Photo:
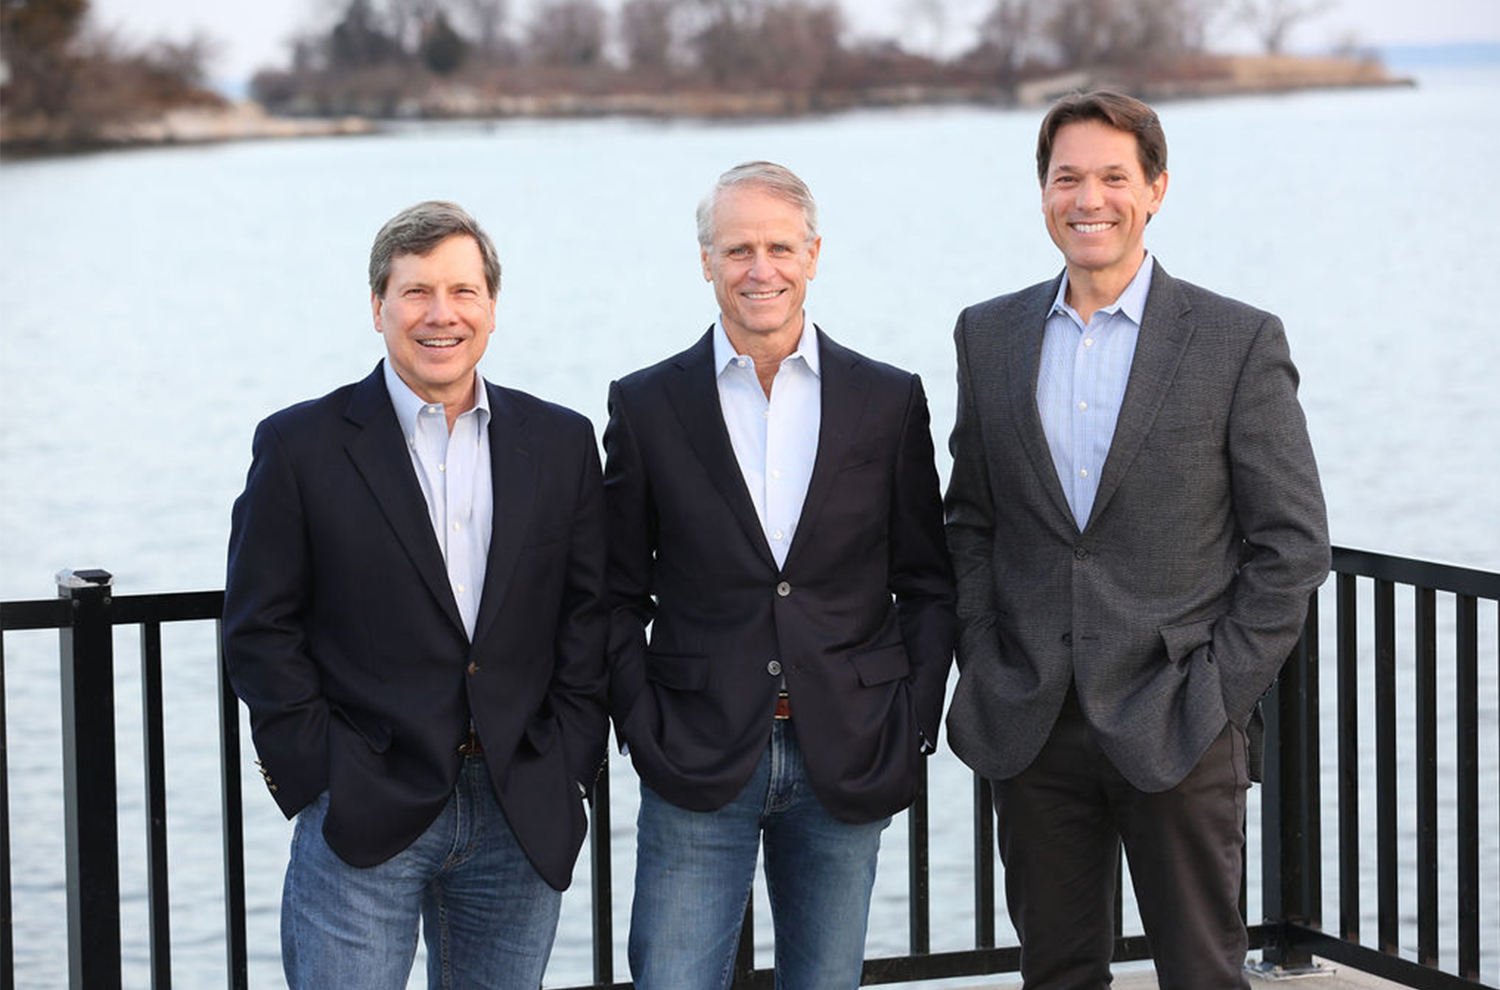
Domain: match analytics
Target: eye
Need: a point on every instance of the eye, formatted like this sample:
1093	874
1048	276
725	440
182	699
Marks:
781	250
738	252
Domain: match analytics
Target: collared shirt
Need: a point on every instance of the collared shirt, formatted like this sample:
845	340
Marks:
453	471
775	439
1081	383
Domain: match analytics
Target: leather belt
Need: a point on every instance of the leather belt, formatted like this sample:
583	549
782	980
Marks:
783	707
470	745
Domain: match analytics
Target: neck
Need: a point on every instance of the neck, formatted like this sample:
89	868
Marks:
1090	291
767	350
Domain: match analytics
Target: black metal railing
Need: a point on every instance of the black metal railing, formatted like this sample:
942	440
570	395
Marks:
1366	673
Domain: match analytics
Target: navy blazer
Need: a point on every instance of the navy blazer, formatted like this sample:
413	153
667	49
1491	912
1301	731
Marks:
342	635
860	620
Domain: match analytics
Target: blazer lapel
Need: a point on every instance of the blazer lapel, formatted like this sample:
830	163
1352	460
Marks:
513	473
694	394
1023	364
380	455
842	395
1165	333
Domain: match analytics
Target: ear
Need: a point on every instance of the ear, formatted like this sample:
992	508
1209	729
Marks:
812	257
708	272
1158	193
376	301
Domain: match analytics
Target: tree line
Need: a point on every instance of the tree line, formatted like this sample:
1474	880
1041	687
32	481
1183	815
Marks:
382	55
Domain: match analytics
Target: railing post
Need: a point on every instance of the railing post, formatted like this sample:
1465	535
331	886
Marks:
1284	808
89	808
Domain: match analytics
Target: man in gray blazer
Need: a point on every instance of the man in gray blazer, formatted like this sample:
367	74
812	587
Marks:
1136	525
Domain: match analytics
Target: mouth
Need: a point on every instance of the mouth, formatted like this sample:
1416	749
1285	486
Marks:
762	296
1096	227
440	343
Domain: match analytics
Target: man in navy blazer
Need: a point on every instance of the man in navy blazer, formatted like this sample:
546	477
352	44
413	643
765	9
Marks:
1136	523
414	617
775	519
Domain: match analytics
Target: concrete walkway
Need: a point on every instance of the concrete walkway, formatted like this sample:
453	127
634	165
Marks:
1140	977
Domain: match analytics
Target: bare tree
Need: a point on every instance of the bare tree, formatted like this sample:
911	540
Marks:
801	42
1007	35
1272	21
648	31
486	21
568	33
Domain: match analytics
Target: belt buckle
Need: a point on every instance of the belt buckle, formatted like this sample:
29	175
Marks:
783	707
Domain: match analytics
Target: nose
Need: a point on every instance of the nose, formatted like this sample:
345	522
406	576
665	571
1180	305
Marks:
1090	193
439	309
760	268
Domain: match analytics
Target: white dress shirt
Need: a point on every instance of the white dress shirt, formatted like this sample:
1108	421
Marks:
453	471
775	439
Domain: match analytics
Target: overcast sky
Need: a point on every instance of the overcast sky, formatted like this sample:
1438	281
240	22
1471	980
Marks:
250	36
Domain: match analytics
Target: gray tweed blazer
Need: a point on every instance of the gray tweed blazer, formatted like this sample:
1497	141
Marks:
1175	606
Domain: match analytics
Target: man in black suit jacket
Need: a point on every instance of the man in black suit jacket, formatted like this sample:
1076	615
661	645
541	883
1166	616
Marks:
1137	524
414	616
774	517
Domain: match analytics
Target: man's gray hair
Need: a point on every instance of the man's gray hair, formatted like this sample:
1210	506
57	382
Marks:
778	180
420	228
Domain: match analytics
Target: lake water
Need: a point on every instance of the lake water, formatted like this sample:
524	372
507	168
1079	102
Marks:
157	303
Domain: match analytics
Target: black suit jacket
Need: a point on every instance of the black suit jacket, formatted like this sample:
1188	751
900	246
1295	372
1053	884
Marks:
860	620
342	635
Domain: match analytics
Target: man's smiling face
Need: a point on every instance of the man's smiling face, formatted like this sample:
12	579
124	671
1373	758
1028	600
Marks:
1096	199
760	262
437	316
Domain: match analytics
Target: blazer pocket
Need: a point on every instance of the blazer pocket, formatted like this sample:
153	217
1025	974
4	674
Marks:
679	671
1185	637
375	732
881	665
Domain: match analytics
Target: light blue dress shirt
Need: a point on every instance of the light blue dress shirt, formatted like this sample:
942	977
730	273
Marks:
453	471
775	439
1081	383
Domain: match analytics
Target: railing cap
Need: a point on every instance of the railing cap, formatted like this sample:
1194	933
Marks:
68	580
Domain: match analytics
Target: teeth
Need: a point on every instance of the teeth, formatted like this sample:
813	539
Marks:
1091	228
763	295
440	342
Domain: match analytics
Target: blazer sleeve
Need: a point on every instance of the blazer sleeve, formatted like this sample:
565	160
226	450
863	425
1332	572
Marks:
266	597
921	574
632	537
970	514
577	691
1278	507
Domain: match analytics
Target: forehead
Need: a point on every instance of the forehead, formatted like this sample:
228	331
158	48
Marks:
1089	144
751	212
456	257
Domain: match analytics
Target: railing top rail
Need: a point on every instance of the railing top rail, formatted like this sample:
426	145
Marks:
57	613
1421	573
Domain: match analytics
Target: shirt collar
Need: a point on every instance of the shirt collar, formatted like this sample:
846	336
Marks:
409	405
1132	302
807	347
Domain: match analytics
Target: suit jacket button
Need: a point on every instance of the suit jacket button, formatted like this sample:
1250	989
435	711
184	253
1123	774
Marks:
473	667
1067	639
783	589
774	668
1080	552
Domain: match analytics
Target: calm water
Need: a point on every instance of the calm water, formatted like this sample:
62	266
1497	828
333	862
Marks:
156	304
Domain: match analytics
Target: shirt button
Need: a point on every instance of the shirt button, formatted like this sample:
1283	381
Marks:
455	527
1083	405
1088	342
776	474
783	589
774	668
432	409
776	535
442	467
1080	552
765	414
1082	473
459	589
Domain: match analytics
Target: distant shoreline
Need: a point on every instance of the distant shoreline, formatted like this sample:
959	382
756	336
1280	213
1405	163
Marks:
1200	78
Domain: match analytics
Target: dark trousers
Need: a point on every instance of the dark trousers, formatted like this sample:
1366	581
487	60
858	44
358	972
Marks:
1060	824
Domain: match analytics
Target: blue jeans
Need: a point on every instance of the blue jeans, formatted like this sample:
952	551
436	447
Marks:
693	872
488	918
